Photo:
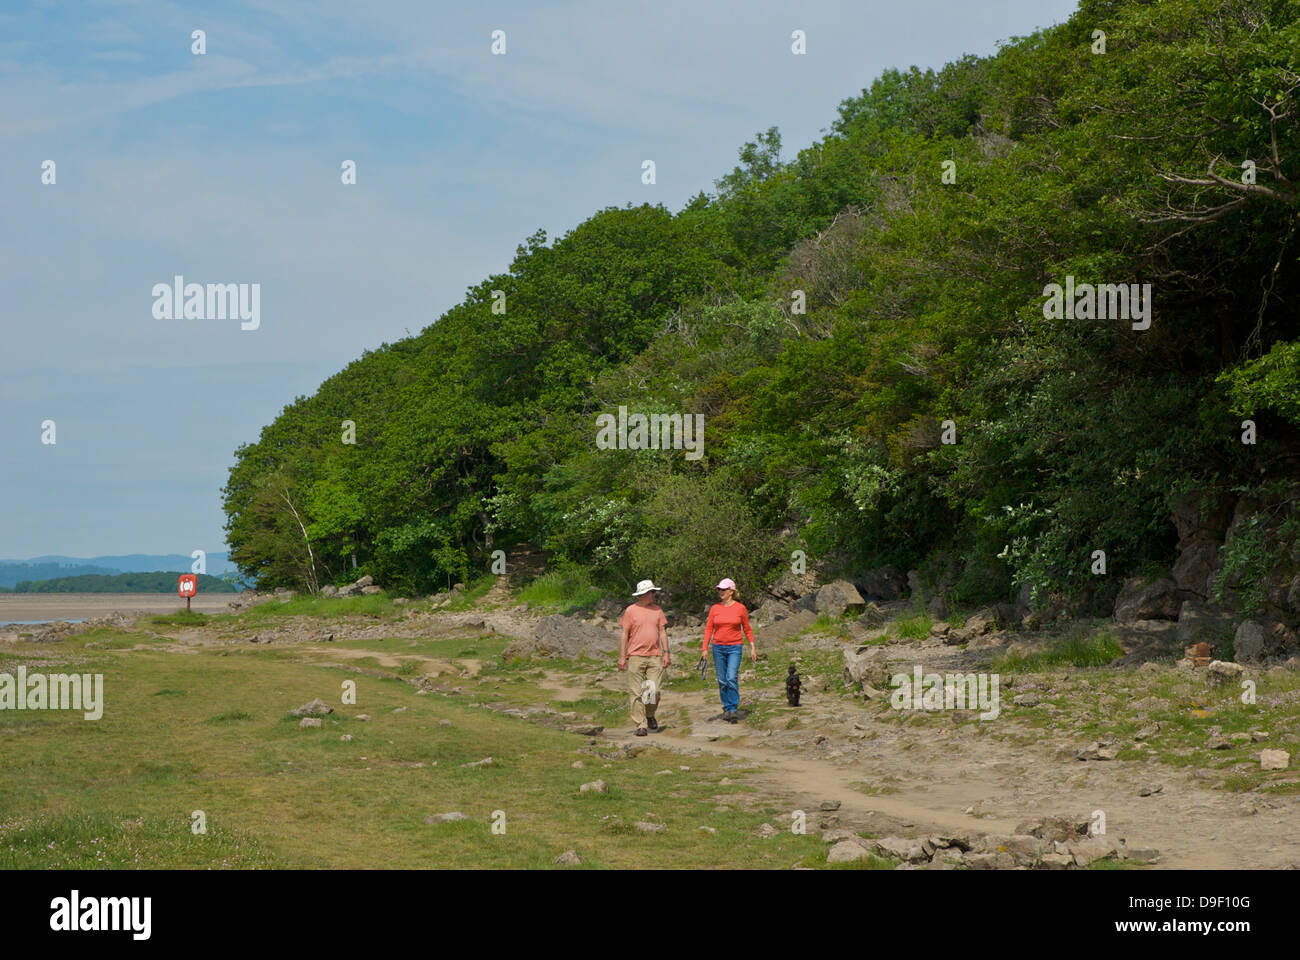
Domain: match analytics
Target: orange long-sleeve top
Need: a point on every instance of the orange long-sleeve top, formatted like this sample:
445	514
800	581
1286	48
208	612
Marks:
727	626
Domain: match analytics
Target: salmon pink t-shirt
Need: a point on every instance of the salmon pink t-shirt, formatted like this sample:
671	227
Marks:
642	625
727	625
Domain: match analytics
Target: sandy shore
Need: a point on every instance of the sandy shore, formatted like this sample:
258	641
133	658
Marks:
80	606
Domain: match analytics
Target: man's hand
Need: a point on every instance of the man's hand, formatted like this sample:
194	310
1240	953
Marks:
667	660
622	663
753	654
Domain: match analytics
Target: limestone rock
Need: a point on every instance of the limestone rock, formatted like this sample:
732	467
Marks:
445	817
1158	600
846	851
882	584
1250	642
1274	760
839	597
317	708
865	666
1221	671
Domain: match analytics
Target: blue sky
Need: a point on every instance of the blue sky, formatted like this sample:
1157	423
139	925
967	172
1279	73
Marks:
225	168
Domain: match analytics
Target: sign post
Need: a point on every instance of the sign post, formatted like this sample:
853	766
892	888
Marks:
187	586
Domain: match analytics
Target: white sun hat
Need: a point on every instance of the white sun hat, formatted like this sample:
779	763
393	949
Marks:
645	586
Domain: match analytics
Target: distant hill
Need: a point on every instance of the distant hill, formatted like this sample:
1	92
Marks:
217	563
155	581
12	572
55	566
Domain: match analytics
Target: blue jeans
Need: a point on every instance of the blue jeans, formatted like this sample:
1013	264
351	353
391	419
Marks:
726	664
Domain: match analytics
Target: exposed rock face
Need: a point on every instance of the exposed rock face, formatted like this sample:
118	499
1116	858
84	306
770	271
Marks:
1201	522
1201	622
1159	600
1250	642
564	637
872	617
1145	640
792	586
788	627
882	584
839	597
867	666
770	612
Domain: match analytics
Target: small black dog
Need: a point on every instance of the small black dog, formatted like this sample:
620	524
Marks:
792	687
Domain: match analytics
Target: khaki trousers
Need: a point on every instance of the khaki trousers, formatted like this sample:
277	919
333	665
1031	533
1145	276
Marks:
640	671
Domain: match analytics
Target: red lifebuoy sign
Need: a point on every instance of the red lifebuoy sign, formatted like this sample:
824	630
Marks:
187	585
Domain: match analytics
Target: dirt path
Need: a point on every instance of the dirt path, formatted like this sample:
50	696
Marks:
905	779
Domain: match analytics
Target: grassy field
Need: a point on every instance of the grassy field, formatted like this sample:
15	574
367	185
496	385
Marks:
189	729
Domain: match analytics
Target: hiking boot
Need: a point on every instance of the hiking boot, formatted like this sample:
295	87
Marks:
730	716
641	731
652	723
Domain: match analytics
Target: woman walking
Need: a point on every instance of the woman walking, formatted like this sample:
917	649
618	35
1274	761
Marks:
727	627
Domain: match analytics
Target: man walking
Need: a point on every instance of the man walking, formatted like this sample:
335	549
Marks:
643	653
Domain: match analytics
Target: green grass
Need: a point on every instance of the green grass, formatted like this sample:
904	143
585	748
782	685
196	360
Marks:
181	618
81	841
913	628
469	597
826	624
210	731
233	717
562	590
1077	648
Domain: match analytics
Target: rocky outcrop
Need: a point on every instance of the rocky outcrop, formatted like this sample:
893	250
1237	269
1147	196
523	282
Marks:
866	667
1251	642
365	585
1043	850
788	627
839	597
317	708
564	638
769	612
1203	622
1201	521
1158	600
792	586
882	584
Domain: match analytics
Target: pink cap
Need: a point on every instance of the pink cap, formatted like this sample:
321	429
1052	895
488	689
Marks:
726	584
